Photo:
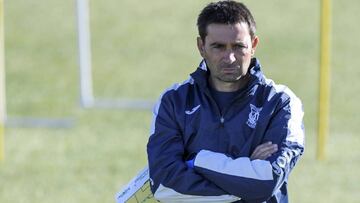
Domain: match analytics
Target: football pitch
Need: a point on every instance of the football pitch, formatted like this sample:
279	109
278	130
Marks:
140	48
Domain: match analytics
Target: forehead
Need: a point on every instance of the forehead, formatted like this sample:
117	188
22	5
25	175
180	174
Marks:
227	33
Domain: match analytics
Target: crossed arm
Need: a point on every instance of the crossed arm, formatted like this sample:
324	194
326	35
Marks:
216	177
262	152
176	181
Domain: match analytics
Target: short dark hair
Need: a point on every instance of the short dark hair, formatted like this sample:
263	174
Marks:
225	12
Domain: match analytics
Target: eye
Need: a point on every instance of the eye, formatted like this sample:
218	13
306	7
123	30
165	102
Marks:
218	46
240	46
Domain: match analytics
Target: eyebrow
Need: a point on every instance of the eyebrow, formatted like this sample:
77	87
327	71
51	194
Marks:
241	43
217	44
224	44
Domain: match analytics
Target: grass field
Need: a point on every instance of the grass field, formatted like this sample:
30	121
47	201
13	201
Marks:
139	49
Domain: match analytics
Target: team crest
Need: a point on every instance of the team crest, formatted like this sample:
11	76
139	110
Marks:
253	116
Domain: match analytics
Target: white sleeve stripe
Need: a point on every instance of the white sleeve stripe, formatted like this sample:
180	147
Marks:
157	105
165	194
295	129
241	167
295	126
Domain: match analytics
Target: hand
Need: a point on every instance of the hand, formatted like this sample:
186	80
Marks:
264	151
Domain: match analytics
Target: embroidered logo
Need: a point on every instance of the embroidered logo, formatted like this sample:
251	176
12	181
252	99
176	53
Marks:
253	116
192	110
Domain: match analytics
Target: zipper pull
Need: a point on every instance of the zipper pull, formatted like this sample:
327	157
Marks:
222	120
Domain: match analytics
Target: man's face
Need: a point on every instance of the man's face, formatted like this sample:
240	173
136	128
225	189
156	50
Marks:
227	51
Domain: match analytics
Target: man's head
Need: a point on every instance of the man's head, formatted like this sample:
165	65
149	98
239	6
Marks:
225	12
227	42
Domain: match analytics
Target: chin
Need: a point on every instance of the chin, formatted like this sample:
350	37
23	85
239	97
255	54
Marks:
230	80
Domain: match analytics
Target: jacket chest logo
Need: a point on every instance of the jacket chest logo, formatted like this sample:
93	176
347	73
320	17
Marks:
253	116
193	110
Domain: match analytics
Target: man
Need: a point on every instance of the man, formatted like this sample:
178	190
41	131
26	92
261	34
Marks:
227	134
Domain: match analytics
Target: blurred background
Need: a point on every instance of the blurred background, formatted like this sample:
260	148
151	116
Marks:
139	48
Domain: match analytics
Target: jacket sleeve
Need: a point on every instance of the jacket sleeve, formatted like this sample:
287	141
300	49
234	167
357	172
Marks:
258	180
171	180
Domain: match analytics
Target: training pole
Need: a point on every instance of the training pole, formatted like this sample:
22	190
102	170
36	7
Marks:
2	83
324	87
86	89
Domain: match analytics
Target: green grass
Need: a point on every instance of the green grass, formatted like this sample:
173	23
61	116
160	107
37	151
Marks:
139	49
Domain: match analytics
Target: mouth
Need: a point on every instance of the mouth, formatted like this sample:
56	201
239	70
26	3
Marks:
229	69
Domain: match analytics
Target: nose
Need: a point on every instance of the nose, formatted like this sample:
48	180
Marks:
229	56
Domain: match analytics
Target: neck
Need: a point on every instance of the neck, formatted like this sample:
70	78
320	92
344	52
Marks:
223	86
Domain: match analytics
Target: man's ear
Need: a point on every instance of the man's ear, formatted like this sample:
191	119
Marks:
254	44
201	46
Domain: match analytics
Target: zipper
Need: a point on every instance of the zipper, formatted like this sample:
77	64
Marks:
222	119
222	114
243	95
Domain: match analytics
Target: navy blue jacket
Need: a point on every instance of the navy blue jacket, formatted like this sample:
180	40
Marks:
188	124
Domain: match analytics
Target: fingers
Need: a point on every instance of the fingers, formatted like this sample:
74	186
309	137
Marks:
264	151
